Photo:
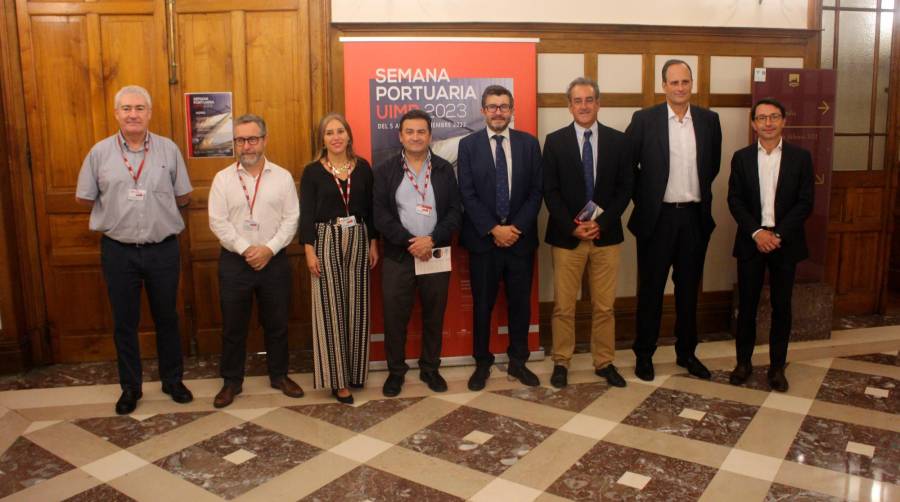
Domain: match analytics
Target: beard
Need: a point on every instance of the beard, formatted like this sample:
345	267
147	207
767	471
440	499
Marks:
249	159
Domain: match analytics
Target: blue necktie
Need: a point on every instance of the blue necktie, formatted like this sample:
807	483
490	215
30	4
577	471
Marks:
587	161
502	180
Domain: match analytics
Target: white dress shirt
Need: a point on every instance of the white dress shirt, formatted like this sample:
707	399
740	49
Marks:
769	168
507	151
276	209
684	181
579	134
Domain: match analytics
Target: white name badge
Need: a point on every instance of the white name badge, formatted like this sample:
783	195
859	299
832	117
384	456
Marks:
424	209
347	222
137	194
251	226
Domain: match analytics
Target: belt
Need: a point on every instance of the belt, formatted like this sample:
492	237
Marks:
336	221
680	205
139	244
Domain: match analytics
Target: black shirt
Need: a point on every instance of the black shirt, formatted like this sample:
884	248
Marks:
321	201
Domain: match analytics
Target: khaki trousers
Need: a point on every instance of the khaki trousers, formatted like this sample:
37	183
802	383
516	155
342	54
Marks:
568	269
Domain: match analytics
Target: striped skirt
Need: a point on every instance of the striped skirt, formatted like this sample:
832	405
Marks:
340	307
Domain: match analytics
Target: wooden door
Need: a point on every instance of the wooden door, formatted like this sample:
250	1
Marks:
259	50
75	56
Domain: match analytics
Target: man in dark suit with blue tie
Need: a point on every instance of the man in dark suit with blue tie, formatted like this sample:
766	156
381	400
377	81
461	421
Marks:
677	153
770	194
499	171
587	185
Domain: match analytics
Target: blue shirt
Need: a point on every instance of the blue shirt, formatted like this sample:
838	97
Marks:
408	198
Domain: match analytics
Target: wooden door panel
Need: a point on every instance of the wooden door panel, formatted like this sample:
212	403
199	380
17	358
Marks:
64	106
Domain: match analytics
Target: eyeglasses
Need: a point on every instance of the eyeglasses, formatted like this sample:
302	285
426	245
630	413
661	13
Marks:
250	140
762	119
493	108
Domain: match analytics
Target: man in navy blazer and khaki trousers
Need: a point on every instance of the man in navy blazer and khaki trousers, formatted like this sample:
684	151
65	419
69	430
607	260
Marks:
585	161
770	194
499	172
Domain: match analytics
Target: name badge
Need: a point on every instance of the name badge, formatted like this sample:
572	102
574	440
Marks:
251	226
347	222
424	210
137	194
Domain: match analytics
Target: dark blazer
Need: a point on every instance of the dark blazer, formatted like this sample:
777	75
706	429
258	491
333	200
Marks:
649	135
395	236
478	187
564	184
793	200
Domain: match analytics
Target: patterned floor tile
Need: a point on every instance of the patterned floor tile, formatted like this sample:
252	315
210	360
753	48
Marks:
105	493
824	443
613	472
877	358
367	484
575	397
356	418
723	421
511	439
847	387
25	464
204	463
784	493
125	431
756	381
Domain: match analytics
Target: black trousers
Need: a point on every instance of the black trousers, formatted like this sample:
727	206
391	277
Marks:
486	270
127	269
751	273
677	244
238	284
399	283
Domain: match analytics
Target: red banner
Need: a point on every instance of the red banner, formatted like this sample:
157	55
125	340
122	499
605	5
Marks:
383	79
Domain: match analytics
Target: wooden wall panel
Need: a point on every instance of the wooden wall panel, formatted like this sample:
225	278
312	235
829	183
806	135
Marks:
61	60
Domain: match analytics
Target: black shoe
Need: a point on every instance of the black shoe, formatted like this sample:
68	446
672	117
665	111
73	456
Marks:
643	369
740	374
521	373
357	385
777	381
179	393
392	385
611	375
560	377
128	401
348	399
694	367
479	378
434	380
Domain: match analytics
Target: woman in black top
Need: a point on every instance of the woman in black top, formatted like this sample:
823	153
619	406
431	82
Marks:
338	235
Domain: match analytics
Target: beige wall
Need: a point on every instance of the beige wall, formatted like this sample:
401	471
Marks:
725	13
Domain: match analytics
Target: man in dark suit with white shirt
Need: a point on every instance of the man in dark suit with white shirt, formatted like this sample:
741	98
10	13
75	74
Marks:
677	152
585	162
499	171
770	194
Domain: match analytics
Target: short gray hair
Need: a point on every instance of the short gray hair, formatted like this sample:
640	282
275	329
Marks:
249	118
582	81
133	89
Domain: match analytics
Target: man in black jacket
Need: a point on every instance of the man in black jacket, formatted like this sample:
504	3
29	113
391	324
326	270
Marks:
677	152
770	194
587	166
416	209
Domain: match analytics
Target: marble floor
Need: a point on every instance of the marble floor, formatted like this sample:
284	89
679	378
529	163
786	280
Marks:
834	436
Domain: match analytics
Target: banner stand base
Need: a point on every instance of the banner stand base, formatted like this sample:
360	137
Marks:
536	355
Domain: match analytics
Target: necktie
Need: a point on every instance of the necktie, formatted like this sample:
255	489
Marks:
587	161
502	180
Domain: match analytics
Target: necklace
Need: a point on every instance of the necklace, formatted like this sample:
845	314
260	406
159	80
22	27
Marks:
339	170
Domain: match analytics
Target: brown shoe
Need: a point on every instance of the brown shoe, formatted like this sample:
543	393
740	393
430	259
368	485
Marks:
288	387
226	395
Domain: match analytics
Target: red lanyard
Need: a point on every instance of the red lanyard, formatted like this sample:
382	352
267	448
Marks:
345	196
412	179
250	202
137	176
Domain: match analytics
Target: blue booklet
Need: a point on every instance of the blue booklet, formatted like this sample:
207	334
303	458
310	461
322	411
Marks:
589	212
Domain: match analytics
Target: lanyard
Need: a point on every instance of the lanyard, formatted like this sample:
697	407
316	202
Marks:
250	202
134	176
345	196
412	179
